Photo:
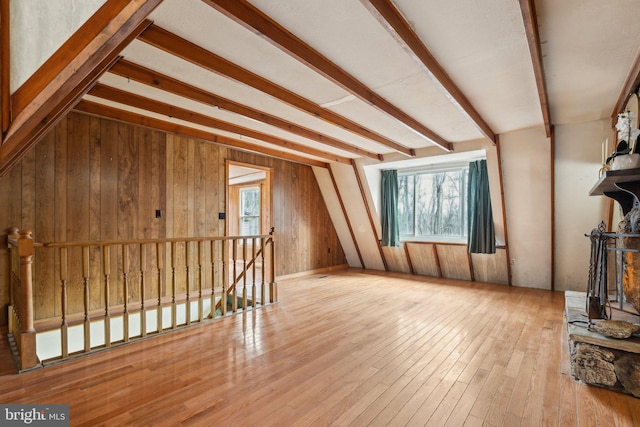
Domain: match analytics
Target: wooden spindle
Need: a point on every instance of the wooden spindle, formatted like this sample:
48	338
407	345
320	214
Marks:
273	286
253	275
262	272
174	313
64	327
214	278
159	253
234	292
200	279
225	278
188	277
143	284
87	307
106	267
125	277
244	272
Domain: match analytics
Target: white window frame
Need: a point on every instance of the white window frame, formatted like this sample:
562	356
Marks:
463	203
241	214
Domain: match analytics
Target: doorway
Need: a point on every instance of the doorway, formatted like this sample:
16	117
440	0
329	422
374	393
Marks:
248	199
248	214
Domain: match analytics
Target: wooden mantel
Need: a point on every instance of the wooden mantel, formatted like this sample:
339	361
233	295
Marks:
621	185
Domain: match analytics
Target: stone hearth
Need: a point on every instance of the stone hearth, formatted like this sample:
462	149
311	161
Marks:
598	360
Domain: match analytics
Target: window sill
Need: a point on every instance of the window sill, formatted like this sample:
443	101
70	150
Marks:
435	240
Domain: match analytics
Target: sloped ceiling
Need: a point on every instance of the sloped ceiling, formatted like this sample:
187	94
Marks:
588	49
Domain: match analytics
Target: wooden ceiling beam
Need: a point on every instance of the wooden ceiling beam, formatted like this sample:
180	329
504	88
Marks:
395	23
148	104
177	46
65	54
141	120
56	97
261	24
631	84
169	84
528	9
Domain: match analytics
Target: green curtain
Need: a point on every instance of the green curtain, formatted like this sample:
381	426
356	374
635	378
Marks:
481	236
389	217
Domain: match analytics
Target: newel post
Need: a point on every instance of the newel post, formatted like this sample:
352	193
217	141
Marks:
273	286
28	357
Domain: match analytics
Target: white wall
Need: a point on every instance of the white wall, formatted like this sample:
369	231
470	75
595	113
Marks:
526	166
358	218
526	163
39	28
332	201
577	162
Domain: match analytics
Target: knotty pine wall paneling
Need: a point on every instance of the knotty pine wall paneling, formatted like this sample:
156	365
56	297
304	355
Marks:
60	210
45	294
200	203
96	290
78	193
97	179
158	201
143	136
128	208
181	217
215	182
109	148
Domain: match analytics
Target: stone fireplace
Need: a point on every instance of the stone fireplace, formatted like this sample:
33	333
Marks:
613	293
599	360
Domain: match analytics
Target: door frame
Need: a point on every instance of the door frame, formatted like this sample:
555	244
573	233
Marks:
266	197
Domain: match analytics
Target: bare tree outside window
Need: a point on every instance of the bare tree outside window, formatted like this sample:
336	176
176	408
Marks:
433	204
250	211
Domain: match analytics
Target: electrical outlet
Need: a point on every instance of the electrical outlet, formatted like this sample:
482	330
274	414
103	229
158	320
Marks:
513	261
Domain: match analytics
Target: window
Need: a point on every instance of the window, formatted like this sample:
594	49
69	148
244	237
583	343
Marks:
433	203
250	211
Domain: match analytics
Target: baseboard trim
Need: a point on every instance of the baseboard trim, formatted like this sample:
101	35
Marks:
312	272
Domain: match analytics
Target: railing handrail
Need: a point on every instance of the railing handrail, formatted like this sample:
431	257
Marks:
147	241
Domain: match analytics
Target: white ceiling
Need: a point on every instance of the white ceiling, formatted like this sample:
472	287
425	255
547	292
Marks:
588	48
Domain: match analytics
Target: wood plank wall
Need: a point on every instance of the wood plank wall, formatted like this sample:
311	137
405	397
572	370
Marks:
449	261
97	179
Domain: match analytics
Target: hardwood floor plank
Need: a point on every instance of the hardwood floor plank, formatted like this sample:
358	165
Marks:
585	409
349	348
602	408
462	409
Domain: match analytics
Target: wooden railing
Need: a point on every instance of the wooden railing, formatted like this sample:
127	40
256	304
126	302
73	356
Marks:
111	292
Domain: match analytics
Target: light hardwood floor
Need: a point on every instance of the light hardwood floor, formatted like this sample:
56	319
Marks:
348	348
